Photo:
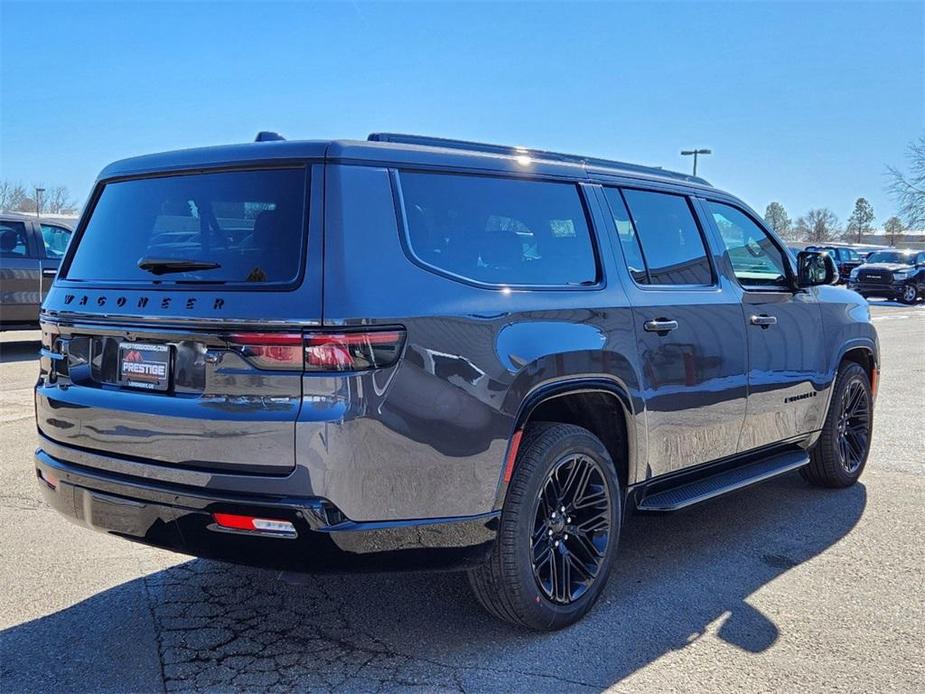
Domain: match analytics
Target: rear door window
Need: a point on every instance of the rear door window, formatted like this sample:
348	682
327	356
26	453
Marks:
499	231
14	242
671	241
231	227
55	239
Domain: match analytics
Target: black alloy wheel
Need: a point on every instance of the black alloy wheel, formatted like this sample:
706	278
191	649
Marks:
571	528
854	427
840	454
559	530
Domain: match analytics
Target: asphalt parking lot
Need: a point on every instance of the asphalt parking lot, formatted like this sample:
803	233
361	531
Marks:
779	587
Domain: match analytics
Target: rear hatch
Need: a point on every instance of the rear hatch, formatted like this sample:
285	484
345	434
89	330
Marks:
173	334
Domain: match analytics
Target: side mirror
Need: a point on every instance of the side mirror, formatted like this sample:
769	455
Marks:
815	268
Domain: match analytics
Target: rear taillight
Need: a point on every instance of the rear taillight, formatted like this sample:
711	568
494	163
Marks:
321	351
270	350
354	351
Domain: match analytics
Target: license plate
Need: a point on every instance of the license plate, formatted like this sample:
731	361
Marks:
144	365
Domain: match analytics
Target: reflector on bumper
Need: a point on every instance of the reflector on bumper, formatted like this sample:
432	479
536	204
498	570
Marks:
275	526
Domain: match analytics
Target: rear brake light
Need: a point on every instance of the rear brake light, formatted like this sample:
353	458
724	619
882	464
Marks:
270	350
321	351
352	351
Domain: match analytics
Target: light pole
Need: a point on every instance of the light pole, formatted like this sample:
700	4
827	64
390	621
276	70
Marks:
38	201
695	152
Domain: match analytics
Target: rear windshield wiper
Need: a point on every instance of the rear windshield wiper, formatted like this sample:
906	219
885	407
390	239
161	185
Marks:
161	266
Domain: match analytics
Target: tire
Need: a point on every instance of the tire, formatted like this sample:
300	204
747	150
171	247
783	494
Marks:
838	459
910	294
510	585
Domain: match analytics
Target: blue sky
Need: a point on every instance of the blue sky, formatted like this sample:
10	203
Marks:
801	102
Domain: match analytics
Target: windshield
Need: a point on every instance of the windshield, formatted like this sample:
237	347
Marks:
229	227
890	257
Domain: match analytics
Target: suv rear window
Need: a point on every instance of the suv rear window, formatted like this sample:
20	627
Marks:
499	231
230	227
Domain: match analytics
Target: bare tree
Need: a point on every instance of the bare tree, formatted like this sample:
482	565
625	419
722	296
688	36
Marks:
13	196
818	225
860	220
776	217
58	200
893	228
908	189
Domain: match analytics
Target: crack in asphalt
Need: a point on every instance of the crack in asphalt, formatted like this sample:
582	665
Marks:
228	628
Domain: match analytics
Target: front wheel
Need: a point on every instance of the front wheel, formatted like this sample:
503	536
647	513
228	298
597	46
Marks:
839	457
910	294
559	529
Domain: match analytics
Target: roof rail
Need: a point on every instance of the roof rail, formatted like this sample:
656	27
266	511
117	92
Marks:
268	136
508	150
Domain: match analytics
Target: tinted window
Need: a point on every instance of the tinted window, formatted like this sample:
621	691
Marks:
755	259
55	239
232	227
626	235
499	230
671	241
13	240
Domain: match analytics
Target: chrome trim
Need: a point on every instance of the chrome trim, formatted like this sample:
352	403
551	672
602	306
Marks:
124	321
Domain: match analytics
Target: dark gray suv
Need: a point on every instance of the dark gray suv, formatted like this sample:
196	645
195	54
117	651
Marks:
414	353
30	251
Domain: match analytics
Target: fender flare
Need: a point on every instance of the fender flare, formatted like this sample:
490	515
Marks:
867	344
559	388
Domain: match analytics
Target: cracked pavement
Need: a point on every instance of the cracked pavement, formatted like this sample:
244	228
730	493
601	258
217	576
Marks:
779	587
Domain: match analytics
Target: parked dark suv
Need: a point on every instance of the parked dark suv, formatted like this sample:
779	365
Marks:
892	273
413	353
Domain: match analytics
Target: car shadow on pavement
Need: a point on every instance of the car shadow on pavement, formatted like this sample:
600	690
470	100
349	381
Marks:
223	627
27	350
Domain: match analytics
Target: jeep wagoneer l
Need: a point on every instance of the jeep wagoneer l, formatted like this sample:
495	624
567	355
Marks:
415	353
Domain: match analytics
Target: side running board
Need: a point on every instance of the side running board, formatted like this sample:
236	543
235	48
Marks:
687	494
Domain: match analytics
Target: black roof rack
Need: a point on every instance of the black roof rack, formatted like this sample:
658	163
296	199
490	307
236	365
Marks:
534	153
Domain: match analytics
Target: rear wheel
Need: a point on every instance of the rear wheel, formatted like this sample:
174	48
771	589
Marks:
840	455
559	531
910	294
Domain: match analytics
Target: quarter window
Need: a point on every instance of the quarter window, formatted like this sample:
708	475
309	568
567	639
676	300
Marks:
671	242
499	231
756	260
626	234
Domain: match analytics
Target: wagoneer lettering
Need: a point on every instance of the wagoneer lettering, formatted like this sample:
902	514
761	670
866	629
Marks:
414	353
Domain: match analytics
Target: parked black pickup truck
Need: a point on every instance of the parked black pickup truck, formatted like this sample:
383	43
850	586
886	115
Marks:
894	274
30	251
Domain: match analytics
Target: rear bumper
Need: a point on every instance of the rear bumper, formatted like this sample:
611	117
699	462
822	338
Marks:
180	519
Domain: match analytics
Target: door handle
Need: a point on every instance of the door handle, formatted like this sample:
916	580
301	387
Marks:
764	320
660	325
49	272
